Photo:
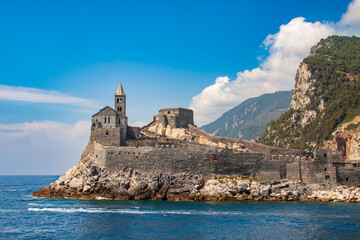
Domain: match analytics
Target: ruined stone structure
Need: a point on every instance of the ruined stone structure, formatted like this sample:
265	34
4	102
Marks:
175	117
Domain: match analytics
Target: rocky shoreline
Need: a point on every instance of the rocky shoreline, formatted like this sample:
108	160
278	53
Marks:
88	181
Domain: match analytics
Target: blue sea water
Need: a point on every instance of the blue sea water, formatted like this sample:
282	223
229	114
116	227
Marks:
26	217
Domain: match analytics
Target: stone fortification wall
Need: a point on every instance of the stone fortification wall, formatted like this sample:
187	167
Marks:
194	159
109	136
209	160
348	175
165	159
232	163
311	172
133	132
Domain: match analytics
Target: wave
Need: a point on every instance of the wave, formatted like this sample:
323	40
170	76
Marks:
10	210
101	198
131	211
41	204
14	190
34	204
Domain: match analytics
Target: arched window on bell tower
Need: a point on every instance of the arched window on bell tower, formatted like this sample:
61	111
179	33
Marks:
120	101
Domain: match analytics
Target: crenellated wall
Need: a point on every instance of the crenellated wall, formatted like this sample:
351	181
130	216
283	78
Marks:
209	160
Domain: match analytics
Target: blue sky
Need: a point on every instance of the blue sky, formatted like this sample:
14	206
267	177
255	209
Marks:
62	61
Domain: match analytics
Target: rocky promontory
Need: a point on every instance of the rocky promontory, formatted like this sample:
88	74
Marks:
171	159
87	180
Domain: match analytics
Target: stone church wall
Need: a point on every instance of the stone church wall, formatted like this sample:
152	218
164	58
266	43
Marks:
109	136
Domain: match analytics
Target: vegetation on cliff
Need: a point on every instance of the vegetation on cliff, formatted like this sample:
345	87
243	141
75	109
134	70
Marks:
326	94
249	119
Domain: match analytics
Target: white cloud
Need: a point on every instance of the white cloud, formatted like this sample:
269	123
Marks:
352	16
42	96
287	48
41	147
138	124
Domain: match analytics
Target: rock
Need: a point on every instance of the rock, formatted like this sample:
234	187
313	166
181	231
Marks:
265	190
87	180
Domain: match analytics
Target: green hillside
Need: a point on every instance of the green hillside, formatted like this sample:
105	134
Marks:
249	119
333	94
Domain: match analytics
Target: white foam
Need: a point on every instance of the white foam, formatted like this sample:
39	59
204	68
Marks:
101	198
33	204
9	210
131	211
14	190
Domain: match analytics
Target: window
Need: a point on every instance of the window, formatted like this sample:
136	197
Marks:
327	177
107	132
120	109
109	119
325	169
105	119
118	100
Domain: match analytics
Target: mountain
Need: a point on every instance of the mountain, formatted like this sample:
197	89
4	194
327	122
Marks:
250	118
324	109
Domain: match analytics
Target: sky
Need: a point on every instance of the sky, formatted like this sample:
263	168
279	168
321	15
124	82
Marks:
61	62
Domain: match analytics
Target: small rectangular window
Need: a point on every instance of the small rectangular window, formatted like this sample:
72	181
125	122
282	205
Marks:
109	119
105	119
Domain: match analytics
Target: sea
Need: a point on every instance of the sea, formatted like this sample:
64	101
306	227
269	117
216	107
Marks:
25	217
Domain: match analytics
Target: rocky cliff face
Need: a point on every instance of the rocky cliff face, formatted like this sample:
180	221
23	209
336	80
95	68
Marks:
346	138
325	100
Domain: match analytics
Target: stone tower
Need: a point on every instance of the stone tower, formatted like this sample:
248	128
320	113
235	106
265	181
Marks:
120	101
120	108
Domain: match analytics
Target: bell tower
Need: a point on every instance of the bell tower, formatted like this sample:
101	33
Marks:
120	108
120	101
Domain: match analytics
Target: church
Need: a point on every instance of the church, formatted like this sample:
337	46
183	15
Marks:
109	126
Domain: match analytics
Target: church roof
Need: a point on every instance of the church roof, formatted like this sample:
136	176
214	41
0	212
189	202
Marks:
120	90
106	111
